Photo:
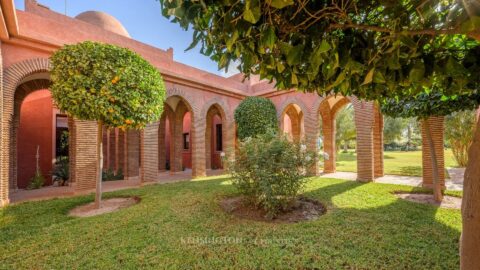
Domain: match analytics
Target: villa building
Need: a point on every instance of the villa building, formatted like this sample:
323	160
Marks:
196	126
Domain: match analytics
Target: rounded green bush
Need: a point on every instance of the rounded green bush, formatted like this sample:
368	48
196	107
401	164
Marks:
106	83
255	116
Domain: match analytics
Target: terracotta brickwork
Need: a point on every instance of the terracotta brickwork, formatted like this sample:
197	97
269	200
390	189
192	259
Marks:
436	127
133	154
24	68
83	161
378	143
150	152
364	119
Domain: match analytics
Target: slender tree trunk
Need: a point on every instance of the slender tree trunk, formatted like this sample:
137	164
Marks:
437	189
470	239
98	194
345	147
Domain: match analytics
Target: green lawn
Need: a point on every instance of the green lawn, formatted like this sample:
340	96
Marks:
365	227
395	162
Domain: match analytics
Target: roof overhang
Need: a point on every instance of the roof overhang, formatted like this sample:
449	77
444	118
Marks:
8	20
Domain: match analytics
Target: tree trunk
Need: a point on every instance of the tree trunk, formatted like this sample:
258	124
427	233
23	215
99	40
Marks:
470	239
437	189
98	194
345	147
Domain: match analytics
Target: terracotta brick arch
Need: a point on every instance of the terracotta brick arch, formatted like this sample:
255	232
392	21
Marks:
167	114
369	126
301	120
217	106
26	76
150	138
188	99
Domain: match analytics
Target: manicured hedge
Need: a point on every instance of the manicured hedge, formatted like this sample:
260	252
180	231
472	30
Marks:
255	116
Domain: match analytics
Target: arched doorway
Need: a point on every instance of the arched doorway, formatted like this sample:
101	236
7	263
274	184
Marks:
330	108
175	135
39	132
215	135
292	122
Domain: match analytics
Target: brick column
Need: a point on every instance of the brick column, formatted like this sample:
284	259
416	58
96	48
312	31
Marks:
112	146
121	152
229	139
328	128
378	144
71	149
364	119
4	196
133	154
436	128
311	135
198	146
162	151
176	162
84	161
150	153
208	137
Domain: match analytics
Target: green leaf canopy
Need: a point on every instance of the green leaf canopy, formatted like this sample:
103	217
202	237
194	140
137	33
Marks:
106	83
369	49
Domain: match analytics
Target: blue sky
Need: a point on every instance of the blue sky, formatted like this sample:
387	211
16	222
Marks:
144	22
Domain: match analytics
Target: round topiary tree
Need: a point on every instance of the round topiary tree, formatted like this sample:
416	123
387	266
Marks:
108	84
255	116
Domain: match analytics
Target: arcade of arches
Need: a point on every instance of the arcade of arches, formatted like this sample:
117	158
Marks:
196	127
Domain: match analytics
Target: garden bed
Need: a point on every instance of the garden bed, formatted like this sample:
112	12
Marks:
304	209
107	206
448	201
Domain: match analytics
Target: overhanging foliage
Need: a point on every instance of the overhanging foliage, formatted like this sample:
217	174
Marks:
363	48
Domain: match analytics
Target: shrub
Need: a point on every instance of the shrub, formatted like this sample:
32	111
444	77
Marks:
110	175
459	129
269	171
37	181
255	116
61	171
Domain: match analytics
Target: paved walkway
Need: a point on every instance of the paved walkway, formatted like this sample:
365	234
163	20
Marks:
454	183
51	192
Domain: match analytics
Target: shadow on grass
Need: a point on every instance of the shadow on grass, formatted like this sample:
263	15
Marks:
366	227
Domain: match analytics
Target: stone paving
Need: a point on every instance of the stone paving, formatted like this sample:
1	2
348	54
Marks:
51	192
454	183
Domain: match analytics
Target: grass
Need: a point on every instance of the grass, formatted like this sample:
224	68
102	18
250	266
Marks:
395	162
180	225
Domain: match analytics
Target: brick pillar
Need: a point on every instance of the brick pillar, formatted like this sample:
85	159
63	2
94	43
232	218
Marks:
121	151
150	153
378	144
133	154
4	188
112	146
84	161
176	162
105	148
208	139
162	151
364	119
71	149
229	140
311	135
436	128
198	146
328	128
